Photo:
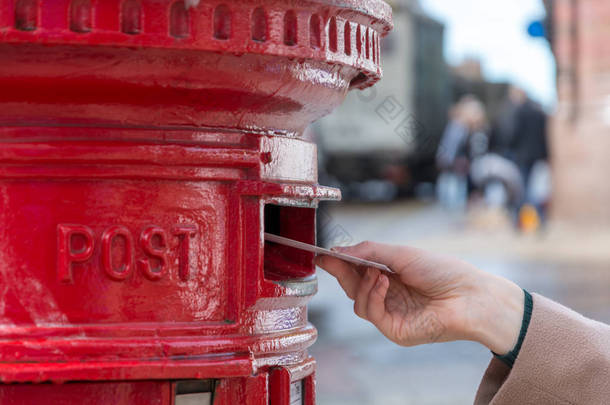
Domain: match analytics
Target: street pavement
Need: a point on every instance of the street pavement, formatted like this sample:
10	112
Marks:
358	366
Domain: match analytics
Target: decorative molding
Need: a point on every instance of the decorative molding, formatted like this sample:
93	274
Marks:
324	31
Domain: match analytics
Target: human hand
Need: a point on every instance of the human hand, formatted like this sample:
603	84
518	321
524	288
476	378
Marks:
430	298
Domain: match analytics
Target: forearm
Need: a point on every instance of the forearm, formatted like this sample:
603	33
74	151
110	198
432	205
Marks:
565	359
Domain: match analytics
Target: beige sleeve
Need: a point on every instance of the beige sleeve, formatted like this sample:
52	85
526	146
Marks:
565	359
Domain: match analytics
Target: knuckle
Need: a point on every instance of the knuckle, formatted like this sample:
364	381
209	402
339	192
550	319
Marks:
367	250
369	307
366	245
358	310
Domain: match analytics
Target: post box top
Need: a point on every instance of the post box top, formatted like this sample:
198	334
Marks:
281	63
339	32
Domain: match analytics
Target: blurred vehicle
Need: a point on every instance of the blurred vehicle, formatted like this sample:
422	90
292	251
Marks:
381	142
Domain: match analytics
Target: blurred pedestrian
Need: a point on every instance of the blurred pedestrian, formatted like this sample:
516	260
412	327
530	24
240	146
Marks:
520	134
465	138
505	126
529	143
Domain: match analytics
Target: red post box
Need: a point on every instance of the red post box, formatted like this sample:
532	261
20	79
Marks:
146	147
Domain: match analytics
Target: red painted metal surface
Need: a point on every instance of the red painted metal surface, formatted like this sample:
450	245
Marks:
146	146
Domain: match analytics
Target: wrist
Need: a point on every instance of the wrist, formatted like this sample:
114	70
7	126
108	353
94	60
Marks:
498	314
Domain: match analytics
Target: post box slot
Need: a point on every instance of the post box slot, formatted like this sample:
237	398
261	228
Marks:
298	223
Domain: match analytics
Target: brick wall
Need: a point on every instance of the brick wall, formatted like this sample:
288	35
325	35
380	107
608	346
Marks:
580	138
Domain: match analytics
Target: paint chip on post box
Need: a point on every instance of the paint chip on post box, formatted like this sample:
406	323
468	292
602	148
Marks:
77	244
296	393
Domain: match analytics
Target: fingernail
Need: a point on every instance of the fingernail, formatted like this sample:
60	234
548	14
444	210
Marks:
370	273
379	282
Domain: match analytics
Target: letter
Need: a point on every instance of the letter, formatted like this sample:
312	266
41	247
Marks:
184	232
66	255
107	238
147	239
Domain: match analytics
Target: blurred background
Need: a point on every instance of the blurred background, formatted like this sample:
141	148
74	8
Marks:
487	139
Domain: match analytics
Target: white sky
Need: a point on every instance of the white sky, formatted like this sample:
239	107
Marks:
495	31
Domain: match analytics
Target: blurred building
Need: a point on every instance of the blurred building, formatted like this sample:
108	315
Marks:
383	132
579	31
